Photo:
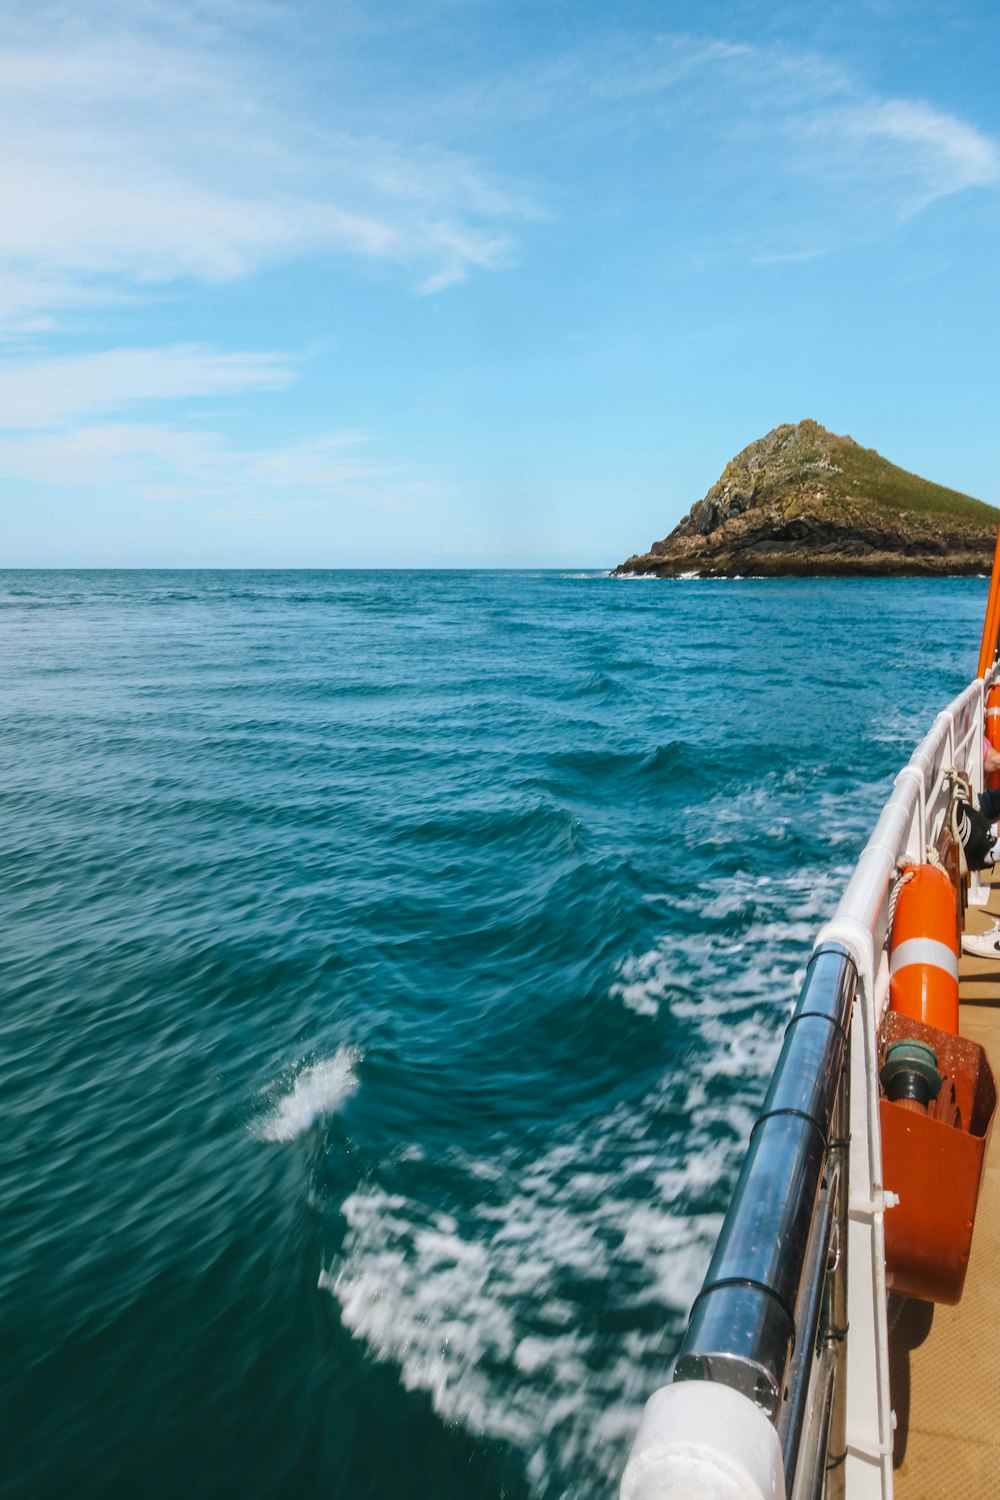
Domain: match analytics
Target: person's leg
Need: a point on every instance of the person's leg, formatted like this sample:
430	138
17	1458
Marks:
989	803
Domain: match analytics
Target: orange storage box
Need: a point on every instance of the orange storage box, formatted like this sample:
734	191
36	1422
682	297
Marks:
934	1166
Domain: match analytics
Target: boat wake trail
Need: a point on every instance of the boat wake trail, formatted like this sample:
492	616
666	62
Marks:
318	1090
535	1300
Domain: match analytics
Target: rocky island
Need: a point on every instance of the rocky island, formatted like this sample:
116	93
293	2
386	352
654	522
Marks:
802	501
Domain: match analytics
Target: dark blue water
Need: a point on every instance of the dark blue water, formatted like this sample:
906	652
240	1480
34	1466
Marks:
392	965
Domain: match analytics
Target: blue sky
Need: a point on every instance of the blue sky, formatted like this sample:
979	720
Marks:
464	283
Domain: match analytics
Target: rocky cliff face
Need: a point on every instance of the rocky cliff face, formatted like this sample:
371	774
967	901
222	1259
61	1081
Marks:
803	501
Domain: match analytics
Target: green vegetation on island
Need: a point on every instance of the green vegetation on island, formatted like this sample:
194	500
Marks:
804	501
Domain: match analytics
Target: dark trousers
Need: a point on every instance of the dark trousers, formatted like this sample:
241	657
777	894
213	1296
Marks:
989	803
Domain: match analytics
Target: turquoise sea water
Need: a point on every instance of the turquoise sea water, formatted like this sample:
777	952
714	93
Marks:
392	966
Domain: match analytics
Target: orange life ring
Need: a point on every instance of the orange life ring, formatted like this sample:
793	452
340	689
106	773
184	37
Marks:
923	950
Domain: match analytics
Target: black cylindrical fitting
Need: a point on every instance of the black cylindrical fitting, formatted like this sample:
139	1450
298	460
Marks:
910	1071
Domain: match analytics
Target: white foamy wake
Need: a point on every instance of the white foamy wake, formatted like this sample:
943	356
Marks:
495	1309
725	964
318	1090
537	1299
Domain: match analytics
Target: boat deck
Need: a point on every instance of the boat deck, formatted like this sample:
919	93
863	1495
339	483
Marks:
945	1372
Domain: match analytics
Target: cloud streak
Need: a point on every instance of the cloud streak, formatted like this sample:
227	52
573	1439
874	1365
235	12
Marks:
159	464
927	153
48	392
799	159
138	157
144	160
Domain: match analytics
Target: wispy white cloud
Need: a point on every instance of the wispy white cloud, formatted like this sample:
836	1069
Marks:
638	84
48	392
60	427
115	455
924	152
807	161
334	459
782	152
157	464
853	171
138	150
138	159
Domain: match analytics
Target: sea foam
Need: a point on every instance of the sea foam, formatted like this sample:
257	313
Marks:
487	1309
317	1091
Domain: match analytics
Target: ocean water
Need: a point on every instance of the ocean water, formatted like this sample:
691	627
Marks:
392	968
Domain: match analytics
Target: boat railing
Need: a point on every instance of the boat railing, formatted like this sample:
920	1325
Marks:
762	1300
800	1258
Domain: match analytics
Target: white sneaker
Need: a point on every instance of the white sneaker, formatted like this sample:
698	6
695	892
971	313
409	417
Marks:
983	944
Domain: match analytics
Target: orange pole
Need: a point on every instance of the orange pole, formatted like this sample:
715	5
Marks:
991	628
991	625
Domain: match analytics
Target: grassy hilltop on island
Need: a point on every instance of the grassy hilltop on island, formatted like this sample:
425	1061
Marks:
804	501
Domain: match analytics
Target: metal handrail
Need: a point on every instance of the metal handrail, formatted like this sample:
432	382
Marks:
756	1306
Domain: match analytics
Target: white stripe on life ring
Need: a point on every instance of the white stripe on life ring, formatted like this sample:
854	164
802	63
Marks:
924	951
